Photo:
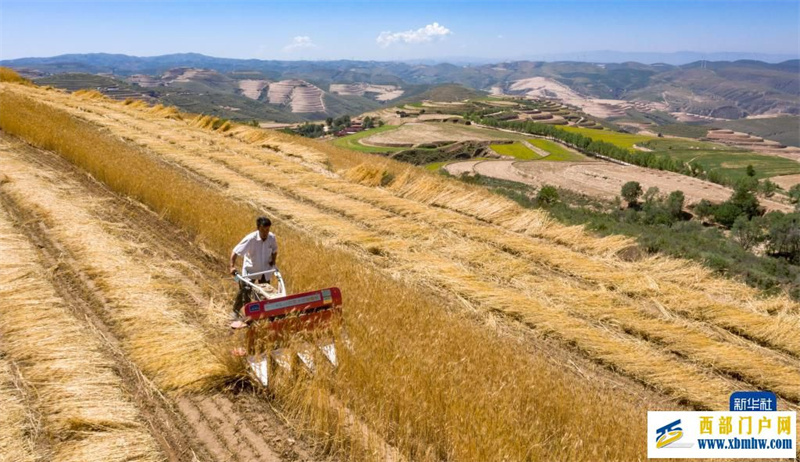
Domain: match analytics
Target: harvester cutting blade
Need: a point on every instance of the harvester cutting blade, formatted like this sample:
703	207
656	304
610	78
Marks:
329	351
259	364
307	358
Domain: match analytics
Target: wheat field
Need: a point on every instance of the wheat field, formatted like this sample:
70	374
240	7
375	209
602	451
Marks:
427	266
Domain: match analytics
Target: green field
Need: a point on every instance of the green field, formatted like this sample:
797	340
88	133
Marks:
728	161
558	153
434	166
623	140
516	150
351	141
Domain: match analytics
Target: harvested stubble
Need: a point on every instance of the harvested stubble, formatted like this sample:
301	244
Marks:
290	179
16	423
85	411
482	408
173	353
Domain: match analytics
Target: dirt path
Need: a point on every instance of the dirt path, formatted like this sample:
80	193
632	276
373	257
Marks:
226	427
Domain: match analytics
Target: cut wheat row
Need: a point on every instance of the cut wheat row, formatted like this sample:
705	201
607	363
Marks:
88	210
22	179
166	348
81	399
18	423
612	278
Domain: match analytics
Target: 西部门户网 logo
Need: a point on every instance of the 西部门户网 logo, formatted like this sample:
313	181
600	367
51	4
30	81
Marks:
668	434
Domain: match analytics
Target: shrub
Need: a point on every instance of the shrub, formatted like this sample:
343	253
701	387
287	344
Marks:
704	208
784	235
547	196
631	191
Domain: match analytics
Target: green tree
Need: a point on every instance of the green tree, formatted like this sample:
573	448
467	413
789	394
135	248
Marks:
744	198
726	214
631	191
748	232
674	204
751	172
794	196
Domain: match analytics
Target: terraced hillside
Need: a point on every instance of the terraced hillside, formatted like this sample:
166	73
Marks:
490	313
299	94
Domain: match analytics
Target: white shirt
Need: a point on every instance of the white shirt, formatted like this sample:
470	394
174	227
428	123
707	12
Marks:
257	252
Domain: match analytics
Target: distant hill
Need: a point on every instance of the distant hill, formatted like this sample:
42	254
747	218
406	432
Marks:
444	93
723	89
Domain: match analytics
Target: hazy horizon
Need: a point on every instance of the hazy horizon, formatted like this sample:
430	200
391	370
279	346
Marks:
478	30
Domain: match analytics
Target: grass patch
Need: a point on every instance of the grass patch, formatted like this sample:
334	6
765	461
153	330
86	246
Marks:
684	130
352	141
434	166
558	153
516	150
623	140
726	161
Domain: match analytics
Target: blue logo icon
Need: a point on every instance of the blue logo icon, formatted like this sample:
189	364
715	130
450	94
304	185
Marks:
668	434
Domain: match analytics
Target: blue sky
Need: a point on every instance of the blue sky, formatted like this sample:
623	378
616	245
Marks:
389	30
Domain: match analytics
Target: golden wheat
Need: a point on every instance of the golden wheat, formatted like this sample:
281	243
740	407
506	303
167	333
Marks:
17	428
775	373
81	398
154	332
387	317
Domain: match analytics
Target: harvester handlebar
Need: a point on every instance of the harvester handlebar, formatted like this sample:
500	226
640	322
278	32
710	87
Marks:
247	277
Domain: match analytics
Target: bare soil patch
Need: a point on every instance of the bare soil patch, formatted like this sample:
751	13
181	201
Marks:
545	88
602	179
786	181
253	88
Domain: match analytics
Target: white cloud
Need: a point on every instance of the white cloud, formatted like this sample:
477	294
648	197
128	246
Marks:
301	42
421	35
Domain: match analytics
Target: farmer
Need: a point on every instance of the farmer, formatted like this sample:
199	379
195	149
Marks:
259	250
